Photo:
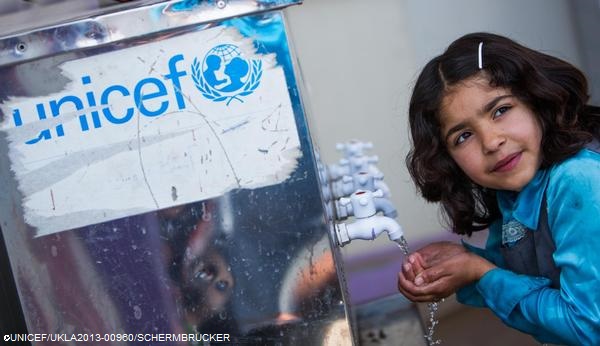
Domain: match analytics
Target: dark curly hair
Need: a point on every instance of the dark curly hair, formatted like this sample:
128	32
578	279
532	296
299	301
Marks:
553	89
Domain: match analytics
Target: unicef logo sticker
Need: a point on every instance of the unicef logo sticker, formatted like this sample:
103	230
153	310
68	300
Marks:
225	75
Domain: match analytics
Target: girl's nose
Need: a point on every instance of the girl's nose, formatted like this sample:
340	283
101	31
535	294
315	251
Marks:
492	140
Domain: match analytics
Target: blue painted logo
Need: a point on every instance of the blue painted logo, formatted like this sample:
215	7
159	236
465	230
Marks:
224	75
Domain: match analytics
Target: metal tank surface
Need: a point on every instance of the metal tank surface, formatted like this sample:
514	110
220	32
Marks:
159	184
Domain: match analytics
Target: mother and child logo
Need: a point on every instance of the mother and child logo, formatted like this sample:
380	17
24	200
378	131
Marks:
225	75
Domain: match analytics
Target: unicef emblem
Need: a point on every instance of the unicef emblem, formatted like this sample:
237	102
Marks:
225	75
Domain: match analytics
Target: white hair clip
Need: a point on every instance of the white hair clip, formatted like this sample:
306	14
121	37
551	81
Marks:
480	61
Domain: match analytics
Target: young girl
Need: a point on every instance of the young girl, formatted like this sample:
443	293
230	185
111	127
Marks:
504	140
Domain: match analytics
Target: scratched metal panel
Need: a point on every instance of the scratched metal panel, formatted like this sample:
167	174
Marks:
80	26
167	184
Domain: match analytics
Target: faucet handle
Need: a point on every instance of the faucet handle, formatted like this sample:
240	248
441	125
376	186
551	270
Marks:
342	211
363	205
338	170
344	201
353	147
362	178
378	193
373	159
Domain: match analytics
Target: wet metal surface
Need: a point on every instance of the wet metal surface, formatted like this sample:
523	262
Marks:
255	263
390	320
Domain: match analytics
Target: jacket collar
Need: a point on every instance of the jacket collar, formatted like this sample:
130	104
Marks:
524	206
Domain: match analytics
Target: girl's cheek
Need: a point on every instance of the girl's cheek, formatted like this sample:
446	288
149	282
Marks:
461	156
469	163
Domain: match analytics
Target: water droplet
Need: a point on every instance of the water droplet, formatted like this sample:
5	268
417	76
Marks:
137	312
403	245
432	307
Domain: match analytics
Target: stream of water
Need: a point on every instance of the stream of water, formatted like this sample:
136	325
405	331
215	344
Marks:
431	307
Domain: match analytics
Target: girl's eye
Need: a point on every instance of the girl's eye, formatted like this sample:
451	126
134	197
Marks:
501	111
462	137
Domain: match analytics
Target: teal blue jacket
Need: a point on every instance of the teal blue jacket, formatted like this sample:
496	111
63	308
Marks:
569	315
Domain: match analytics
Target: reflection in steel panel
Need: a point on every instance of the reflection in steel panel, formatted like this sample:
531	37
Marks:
158	179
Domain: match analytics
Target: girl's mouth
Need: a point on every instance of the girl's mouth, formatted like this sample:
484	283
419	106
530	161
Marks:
507	163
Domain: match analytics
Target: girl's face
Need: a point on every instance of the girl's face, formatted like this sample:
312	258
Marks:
492	136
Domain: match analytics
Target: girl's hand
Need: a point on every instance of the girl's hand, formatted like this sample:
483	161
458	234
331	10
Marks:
444	278
434	253
429	256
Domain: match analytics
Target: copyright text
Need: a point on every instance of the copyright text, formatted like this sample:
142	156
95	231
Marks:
89	337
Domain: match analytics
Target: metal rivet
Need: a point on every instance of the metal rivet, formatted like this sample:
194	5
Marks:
221	4
21	47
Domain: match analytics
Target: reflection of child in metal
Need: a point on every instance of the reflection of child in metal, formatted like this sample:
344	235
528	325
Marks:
198	263
206	282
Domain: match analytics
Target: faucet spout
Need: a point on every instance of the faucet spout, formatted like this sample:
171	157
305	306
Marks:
368	229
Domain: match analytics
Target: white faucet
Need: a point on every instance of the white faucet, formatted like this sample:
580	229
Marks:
381	203
322	170
343	187
367	224
354	164
364	163
336	171
353	147
372	182
359	181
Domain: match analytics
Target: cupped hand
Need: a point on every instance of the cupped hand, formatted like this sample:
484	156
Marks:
429	256
444	278
434	253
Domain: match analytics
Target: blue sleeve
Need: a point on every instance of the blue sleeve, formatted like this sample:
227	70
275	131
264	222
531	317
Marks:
501	290
573	312
469	295
570	315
